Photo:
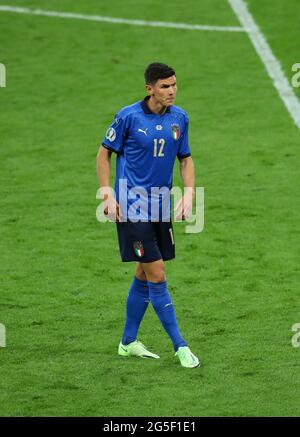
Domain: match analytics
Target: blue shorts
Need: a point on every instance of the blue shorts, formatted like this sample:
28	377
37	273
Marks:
146	241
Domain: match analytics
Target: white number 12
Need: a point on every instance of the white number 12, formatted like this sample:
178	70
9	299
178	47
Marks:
161	143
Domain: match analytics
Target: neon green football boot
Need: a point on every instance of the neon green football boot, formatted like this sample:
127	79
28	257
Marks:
187	358
137	349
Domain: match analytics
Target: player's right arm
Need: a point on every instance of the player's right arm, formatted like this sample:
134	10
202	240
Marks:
113	142
112	209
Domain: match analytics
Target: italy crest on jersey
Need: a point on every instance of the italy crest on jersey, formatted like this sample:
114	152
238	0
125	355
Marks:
175	131
138	248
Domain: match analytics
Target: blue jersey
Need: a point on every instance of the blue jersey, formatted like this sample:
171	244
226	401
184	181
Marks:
147	145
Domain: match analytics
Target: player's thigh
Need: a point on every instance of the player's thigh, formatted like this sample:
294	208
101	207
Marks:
139	272
155	271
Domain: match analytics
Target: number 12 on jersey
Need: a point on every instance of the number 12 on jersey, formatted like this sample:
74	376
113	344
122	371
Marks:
161	143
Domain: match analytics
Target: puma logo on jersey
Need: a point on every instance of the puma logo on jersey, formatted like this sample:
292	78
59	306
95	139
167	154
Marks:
144	131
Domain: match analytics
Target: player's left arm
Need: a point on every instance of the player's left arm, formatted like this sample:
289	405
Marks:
184	207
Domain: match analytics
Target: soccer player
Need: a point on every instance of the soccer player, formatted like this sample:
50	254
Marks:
147	136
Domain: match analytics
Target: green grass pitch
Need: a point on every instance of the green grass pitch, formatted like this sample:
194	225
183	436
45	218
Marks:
63	288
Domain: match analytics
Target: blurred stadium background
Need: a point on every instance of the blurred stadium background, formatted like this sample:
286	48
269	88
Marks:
235	285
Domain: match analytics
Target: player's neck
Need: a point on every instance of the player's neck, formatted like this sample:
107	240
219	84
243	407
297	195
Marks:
156	107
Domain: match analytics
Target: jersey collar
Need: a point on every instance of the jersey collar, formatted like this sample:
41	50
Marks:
146	108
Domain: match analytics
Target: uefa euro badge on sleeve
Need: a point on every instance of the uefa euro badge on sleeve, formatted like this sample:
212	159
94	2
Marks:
175	131
111	134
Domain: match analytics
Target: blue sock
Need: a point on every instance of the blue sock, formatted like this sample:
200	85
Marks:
136	305
163	306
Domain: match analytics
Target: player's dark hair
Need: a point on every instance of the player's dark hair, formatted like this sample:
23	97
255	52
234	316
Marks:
156	71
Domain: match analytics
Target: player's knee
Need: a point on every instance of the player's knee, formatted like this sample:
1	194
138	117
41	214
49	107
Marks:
139	273
157	273
158	276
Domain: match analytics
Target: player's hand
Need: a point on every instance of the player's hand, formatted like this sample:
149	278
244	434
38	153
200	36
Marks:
113	210
184	207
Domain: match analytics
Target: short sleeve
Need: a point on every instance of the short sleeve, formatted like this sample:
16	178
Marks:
115	135
184	148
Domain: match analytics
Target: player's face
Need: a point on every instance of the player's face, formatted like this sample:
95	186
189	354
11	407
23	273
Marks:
164	91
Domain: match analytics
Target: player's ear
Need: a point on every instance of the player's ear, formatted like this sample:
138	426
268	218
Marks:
149	89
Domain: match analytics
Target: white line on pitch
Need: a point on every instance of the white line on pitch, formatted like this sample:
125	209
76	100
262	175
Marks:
113	20
269	60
